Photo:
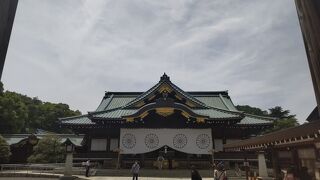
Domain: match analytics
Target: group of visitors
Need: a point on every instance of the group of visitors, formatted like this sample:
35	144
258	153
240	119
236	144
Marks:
292	174
219	173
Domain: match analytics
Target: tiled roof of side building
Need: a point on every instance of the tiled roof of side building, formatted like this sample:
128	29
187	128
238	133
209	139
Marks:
250	119
17	138
114	113
215	113
81	120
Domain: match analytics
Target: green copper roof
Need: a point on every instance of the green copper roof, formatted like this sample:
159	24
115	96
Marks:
217	113
166	80
212	101
116	101
214	104
115	113
253	119
81	120
213	113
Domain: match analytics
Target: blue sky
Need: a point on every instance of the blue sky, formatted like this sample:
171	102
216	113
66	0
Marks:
72	51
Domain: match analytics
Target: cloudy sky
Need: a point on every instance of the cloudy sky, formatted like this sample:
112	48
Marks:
73	51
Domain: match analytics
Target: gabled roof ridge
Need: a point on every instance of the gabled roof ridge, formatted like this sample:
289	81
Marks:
130	93
141	96
224	103
133	93
166	80
187	94
104	99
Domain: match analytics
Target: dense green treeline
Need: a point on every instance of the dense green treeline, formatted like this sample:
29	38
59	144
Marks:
22	114
284	118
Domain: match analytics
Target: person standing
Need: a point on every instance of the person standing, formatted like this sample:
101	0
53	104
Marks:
290	174
220	173
160	162
135	170
195	174
304	174
87	166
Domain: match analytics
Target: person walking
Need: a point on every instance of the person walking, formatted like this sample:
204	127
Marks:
220	173
290	174
195	174
87	166
304	174
160	162
135	170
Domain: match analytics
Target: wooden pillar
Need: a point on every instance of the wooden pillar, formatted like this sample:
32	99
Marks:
275	163
246	164
142	158
296	161
119	158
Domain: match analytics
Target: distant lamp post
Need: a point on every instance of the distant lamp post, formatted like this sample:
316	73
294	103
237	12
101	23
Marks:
33	140
212	157
69	160
119	151
69	148
317	145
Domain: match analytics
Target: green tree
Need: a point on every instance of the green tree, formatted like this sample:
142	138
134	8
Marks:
4	150
284	119
278	112
22	114
48	150
13	113
1	87
252	110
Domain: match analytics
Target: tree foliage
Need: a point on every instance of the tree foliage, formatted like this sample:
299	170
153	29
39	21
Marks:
283	117
4	150
48	150
252	110
22	114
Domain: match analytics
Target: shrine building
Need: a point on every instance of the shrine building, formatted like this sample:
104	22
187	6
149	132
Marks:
183	127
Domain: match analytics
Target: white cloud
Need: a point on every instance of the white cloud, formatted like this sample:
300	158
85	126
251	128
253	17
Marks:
72	51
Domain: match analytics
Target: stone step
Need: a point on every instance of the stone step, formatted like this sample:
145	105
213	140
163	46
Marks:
158	173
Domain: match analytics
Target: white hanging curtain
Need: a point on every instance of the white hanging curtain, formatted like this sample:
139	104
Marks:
191	141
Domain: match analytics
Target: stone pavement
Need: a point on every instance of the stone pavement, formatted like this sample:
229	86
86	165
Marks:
25	178
142	178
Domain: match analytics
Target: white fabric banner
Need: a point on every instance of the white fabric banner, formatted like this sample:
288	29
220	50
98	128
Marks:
191	141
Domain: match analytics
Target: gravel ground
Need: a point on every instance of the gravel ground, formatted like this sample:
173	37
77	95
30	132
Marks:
25	178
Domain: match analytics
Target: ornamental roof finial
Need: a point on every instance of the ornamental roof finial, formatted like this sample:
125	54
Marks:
165	77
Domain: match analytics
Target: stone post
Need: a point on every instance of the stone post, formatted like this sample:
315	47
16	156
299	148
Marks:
69	161
263	171
68	165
